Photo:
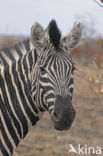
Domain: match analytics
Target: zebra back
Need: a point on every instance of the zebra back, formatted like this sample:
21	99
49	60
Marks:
9	55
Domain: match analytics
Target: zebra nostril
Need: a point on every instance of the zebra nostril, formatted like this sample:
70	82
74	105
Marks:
55	114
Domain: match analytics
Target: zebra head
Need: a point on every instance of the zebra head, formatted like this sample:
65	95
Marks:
54	72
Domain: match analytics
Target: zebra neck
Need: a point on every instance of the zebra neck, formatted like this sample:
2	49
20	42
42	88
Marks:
19	112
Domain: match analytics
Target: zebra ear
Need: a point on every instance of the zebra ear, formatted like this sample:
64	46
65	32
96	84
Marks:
73	38
38	38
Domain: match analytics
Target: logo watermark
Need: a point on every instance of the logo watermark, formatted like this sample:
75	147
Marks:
85	150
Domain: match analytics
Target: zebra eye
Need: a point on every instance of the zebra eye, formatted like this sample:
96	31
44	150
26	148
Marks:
42	69
74	68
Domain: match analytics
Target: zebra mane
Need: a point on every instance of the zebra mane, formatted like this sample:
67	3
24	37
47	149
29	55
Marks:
54	34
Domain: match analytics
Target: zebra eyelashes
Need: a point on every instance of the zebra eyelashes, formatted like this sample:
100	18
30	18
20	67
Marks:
74	68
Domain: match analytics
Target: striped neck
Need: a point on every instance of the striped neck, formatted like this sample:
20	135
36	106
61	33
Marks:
27	67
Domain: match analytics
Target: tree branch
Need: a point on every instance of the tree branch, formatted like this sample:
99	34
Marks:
98	3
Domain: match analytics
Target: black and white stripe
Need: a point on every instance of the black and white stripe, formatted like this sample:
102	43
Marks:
17	51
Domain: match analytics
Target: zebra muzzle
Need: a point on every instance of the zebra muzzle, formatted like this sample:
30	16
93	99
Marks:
63	113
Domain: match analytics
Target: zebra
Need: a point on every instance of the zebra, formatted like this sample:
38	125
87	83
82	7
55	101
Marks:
39	81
